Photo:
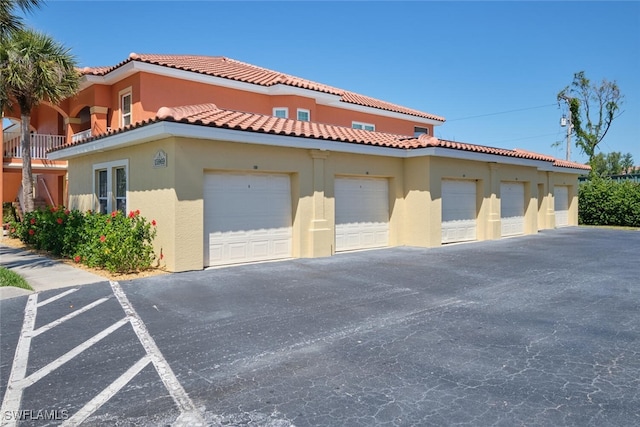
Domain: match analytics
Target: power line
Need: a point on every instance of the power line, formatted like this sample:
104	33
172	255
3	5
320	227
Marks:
503	112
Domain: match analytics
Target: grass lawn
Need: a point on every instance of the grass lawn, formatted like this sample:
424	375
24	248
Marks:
9	278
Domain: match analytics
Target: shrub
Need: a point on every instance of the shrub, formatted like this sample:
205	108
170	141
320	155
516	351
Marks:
607	202
116	242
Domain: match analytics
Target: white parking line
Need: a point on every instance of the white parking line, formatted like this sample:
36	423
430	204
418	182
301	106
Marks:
46	370
185	404
13	393
94	404
57	297
18	382
71	315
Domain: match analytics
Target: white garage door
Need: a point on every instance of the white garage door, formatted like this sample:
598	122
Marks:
458	211
561	205
362	213
512	208
247	217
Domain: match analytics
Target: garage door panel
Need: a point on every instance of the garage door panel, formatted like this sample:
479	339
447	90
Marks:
362	213
282	247
247	217
512	208
237	250
561	205
459	216
260	248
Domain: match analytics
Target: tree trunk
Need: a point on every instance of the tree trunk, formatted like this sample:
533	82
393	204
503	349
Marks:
27	173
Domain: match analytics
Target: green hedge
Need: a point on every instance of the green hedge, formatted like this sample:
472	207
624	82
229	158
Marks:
603	201
116	242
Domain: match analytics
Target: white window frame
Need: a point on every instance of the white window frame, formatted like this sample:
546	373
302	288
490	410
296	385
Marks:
110	167
416	134
363	126
285	109
123	94
303	111
99	198
126	180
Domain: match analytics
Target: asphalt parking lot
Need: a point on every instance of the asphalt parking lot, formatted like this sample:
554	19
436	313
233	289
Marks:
535	330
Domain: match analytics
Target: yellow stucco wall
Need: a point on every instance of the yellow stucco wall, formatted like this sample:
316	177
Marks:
173	195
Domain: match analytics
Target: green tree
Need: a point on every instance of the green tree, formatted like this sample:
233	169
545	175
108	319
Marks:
9	19
593	108
627	163
34	68
611	163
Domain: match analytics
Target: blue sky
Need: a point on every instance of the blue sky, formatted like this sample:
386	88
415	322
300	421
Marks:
466	61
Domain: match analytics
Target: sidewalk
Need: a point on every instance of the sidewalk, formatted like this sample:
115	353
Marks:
41	272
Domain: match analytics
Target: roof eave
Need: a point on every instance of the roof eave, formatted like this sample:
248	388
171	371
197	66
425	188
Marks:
167	128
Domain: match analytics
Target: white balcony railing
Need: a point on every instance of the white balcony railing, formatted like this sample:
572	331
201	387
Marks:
81	135
40	144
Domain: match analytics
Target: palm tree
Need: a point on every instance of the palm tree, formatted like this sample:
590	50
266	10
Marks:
9	21
34	68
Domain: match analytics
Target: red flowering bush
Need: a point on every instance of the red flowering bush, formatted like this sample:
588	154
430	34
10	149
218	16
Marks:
117	242
55	229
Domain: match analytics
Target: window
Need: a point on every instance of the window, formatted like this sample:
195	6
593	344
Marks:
363	126
417	131
125	109
304	115
102	190
281	112
111	187
121	189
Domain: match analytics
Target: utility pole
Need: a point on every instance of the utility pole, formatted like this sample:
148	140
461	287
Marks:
568	123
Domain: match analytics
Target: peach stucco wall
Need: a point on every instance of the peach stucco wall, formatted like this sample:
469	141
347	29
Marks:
45	120
161	91
343	117
150	92
55	183
95	95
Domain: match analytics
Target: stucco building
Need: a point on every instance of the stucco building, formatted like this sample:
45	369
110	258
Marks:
238	163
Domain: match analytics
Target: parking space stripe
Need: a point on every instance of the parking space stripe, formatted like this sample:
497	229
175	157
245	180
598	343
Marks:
94	404
57	297
44	371
71	315
185	404
13	393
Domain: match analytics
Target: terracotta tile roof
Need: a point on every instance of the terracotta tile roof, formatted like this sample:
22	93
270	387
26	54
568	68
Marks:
219	66
557	162
566	164
95	71
434	142
212	116
546	157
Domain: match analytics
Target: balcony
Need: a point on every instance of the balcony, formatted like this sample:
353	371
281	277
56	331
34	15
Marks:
40	144
81	135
